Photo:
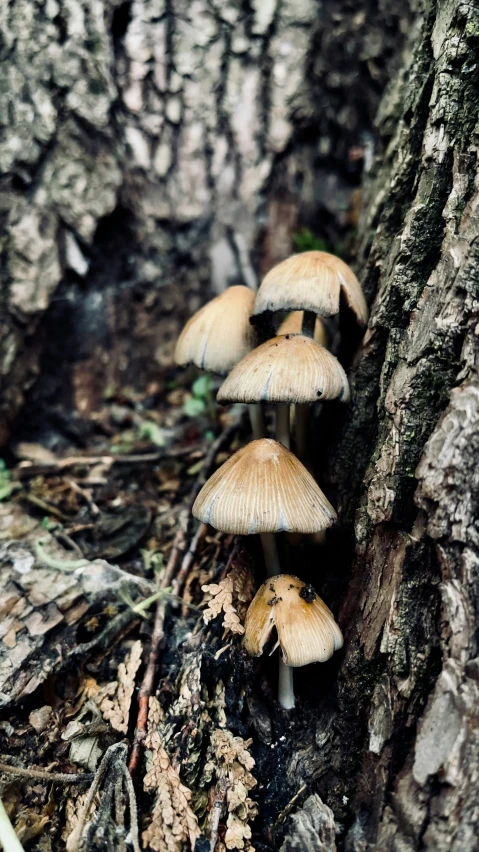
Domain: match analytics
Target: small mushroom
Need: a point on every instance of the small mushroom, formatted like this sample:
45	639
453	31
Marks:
263	488
307	631
288	369
312	282
218	336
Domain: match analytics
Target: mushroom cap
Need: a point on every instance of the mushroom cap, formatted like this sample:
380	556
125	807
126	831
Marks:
293	324
290	368
220	333
263	488
307	631
311	281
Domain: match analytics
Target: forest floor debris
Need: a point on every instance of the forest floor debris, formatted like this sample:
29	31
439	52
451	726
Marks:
99	690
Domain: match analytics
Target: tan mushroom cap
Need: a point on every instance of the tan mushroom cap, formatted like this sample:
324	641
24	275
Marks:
311	281
220	333
290	368
263	488
293	324
307	631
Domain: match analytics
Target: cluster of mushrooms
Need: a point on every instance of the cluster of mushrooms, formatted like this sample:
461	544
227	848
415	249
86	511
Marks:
263	488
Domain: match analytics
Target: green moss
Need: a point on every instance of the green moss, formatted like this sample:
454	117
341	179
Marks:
305	240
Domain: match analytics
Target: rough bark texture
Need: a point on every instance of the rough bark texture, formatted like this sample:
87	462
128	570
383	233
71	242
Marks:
405	468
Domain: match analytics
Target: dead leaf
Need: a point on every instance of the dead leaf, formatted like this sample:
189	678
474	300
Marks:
173	821
116	709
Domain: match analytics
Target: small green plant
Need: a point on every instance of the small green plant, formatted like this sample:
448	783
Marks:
152	432
305	240
6	486
201	401
50	525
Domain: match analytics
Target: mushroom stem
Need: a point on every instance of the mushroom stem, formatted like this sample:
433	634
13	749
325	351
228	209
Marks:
256	416
8	837
285	686
210	403
285	674
282	424
309	322
301	417
270	552
301	412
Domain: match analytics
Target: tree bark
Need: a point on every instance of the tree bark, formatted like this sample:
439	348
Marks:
405	467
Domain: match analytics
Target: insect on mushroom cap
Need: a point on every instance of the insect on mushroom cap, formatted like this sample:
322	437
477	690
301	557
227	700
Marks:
263	488
220	333
311	281
289	368
307	631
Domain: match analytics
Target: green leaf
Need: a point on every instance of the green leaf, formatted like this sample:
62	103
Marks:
193	407
202	386
149	430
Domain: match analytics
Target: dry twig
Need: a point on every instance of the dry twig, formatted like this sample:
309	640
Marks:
26	470
31	773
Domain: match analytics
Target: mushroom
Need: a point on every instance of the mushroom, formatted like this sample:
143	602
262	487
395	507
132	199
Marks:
218	336
264	489
293	324
311	282
288	369
306	629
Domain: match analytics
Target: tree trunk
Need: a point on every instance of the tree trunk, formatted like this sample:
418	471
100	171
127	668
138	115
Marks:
160	151
405	748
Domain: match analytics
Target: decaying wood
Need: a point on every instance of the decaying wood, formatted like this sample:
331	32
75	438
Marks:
312	828
175	579
42	606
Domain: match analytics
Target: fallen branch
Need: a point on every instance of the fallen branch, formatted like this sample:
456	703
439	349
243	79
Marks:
26	469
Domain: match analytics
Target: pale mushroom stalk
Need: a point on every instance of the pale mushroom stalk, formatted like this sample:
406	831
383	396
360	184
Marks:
282	424
301	410
270	553
285	673
286	686
8	837
273	567
256	416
